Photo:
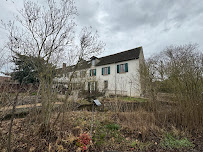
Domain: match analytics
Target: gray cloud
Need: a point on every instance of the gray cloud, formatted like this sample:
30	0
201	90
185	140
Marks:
126	24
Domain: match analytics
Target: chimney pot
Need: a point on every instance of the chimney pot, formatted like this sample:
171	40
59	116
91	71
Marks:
64	66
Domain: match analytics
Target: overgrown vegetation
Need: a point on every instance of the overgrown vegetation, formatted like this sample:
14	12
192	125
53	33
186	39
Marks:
178	71
140	146
171	142
132	99
37	38
170	117
29	68
108	134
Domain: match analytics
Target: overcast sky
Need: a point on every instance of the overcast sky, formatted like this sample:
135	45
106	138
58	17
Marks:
127	24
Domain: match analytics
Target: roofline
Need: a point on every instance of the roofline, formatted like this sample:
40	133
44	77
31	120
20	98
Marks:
120	52
140	47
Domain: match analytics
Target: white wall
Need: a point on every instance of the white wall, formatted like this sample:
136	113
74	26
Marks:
120	83
127	83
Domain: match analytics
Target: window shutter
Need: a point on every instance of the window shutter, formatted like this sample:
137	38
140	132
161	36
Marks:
117	68
102	71
109	70
95	72
126	67
90	73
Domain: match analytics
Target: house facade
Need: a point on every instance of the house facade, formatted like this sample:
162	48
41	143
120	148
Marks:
114	74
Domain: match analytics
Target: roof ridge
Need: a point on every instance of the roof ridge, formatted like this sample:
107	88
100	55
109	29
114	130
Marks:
121	52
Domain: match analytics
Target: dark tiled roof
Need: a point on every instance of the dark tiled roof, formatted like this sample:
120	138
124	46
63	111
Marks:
114	58
93	57
4	78
82	65
120	57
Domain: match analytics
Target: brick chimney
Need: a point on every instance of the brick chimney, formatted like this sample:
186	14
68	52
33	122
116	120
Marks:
64	66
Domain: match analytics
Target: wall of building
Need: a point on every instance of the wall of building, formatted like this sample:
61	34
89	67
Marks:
127	83
119	83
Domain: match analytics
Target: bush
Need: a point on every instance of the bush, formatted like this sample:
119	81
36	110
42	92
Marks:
170	142
83	141
112	126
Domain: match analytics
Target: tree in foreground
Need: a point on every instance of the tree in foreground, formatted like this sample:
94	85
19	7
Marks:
39	37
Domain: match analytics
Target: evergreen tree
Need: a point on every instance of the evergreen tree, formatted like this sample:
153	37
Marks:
28	68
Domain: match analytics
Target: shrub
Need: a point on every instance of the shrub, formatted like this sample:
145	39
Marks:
171	142
83	141
112	126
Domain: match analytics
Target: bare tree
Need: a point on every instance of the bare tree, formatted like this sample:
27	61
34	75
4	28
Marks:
179	71
89	44
43	32
2	61
46	33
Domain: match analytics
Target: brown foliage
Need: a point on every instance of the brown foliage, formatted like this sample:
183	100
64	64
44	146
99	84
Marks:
179	71
139	123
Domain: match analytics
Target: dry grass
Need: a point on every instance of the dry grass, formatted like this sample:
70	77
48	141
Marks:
139	126
140	121
144	124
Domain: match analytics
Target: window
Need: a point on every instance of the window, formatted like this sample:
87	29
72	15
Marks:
121	68
93	72
74	75
106	71
67	75
105	84
92	86
82	74
93	62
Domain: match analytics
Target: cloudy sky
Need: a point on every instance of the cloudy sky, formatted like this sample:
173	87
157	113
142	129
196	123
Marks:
153	24
127	24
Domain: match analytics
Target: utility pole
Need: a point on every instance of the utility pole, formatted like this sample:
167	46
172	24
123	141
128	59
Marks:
130	87
115	78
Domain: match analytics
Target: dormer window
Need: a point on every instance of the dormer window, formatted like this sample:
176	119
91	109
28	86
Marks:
93	62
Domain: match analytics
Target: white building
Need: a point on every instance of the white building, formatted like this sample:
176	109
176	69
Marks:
114	74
